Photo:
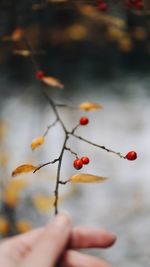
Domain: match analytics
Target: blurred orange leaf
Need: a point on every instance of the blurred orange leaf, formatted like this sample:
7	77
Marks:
23	226
4	225
87	178
37	142
3	129
43	203
88	106
17	34
24	52
51	81
23	168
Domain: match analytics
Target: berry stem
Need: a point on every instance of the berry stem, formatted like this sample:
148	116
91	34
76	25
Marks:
71	151
45	164
75	128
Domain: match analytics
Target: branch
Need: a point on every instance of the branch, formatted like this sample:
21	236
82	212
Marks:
65	106
71	151
102	147
58	175
45	164
50	126
53	106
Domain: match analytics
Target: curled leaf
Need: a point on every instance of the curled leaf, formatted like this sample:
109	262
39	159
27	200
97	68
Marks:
88	106
87	178
51	81
23	168
37	142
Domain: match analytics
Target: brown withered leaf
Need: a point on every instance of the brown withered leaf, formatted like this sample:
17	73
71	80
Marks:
23	168
88	106
51	81
87	178
37	142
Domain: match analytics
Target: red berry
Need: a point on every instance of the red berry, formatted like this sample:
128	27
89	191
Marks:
85	160
102	6
39	75
84	120
78	164
131	155
139	5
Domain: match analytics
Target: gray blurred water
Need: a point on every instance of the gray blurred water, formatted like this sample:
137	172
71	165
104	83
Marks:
122	203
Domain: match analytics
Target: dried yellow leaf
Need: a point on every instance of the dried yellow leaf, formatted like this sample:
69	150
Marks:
37	142
23	168
51	81
87	178
88	106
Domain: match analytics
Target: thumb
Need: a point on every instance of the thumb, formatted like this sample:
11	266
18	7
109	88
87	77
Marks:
51	244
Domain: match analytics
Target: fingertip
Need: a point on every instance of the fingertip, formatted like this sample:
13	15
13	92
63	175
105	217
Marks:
61	220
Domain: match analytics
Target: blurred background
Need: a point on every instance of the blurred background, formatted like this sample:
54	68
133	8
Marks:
100	51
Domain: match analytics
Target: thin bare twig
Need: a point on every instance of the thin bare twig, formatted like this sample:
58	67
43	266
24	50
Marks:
45	164
96	145
65	106
50	126
71	151
75	128
53	106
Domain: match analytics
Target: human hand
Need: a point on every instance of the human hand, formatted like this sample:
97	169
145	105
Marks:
55	245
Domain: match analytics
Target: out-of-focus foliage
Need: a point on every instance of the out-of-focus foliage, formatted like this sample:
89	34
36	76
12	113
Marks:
88	106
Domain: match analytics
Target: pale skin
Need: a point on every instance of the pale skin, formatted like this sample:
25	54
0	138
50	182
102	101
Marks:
55	246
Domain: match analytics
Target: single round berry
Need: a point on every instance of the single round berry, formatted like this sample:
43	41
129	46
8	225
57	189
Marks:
102	6
131	155
85	160
139	5
78	164
39	75
84	121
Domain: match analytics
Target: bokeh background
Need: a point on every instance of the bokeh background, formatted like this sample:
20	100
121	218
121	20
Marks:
100	56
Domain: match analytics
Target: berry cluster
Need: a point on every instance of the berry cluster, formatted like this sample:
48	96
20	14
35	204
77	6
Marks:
135	4
78	163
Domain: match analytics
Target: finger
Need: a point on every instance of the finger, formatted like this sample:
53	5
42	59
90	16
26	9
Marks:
51	244
12	250
73	258
90	238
